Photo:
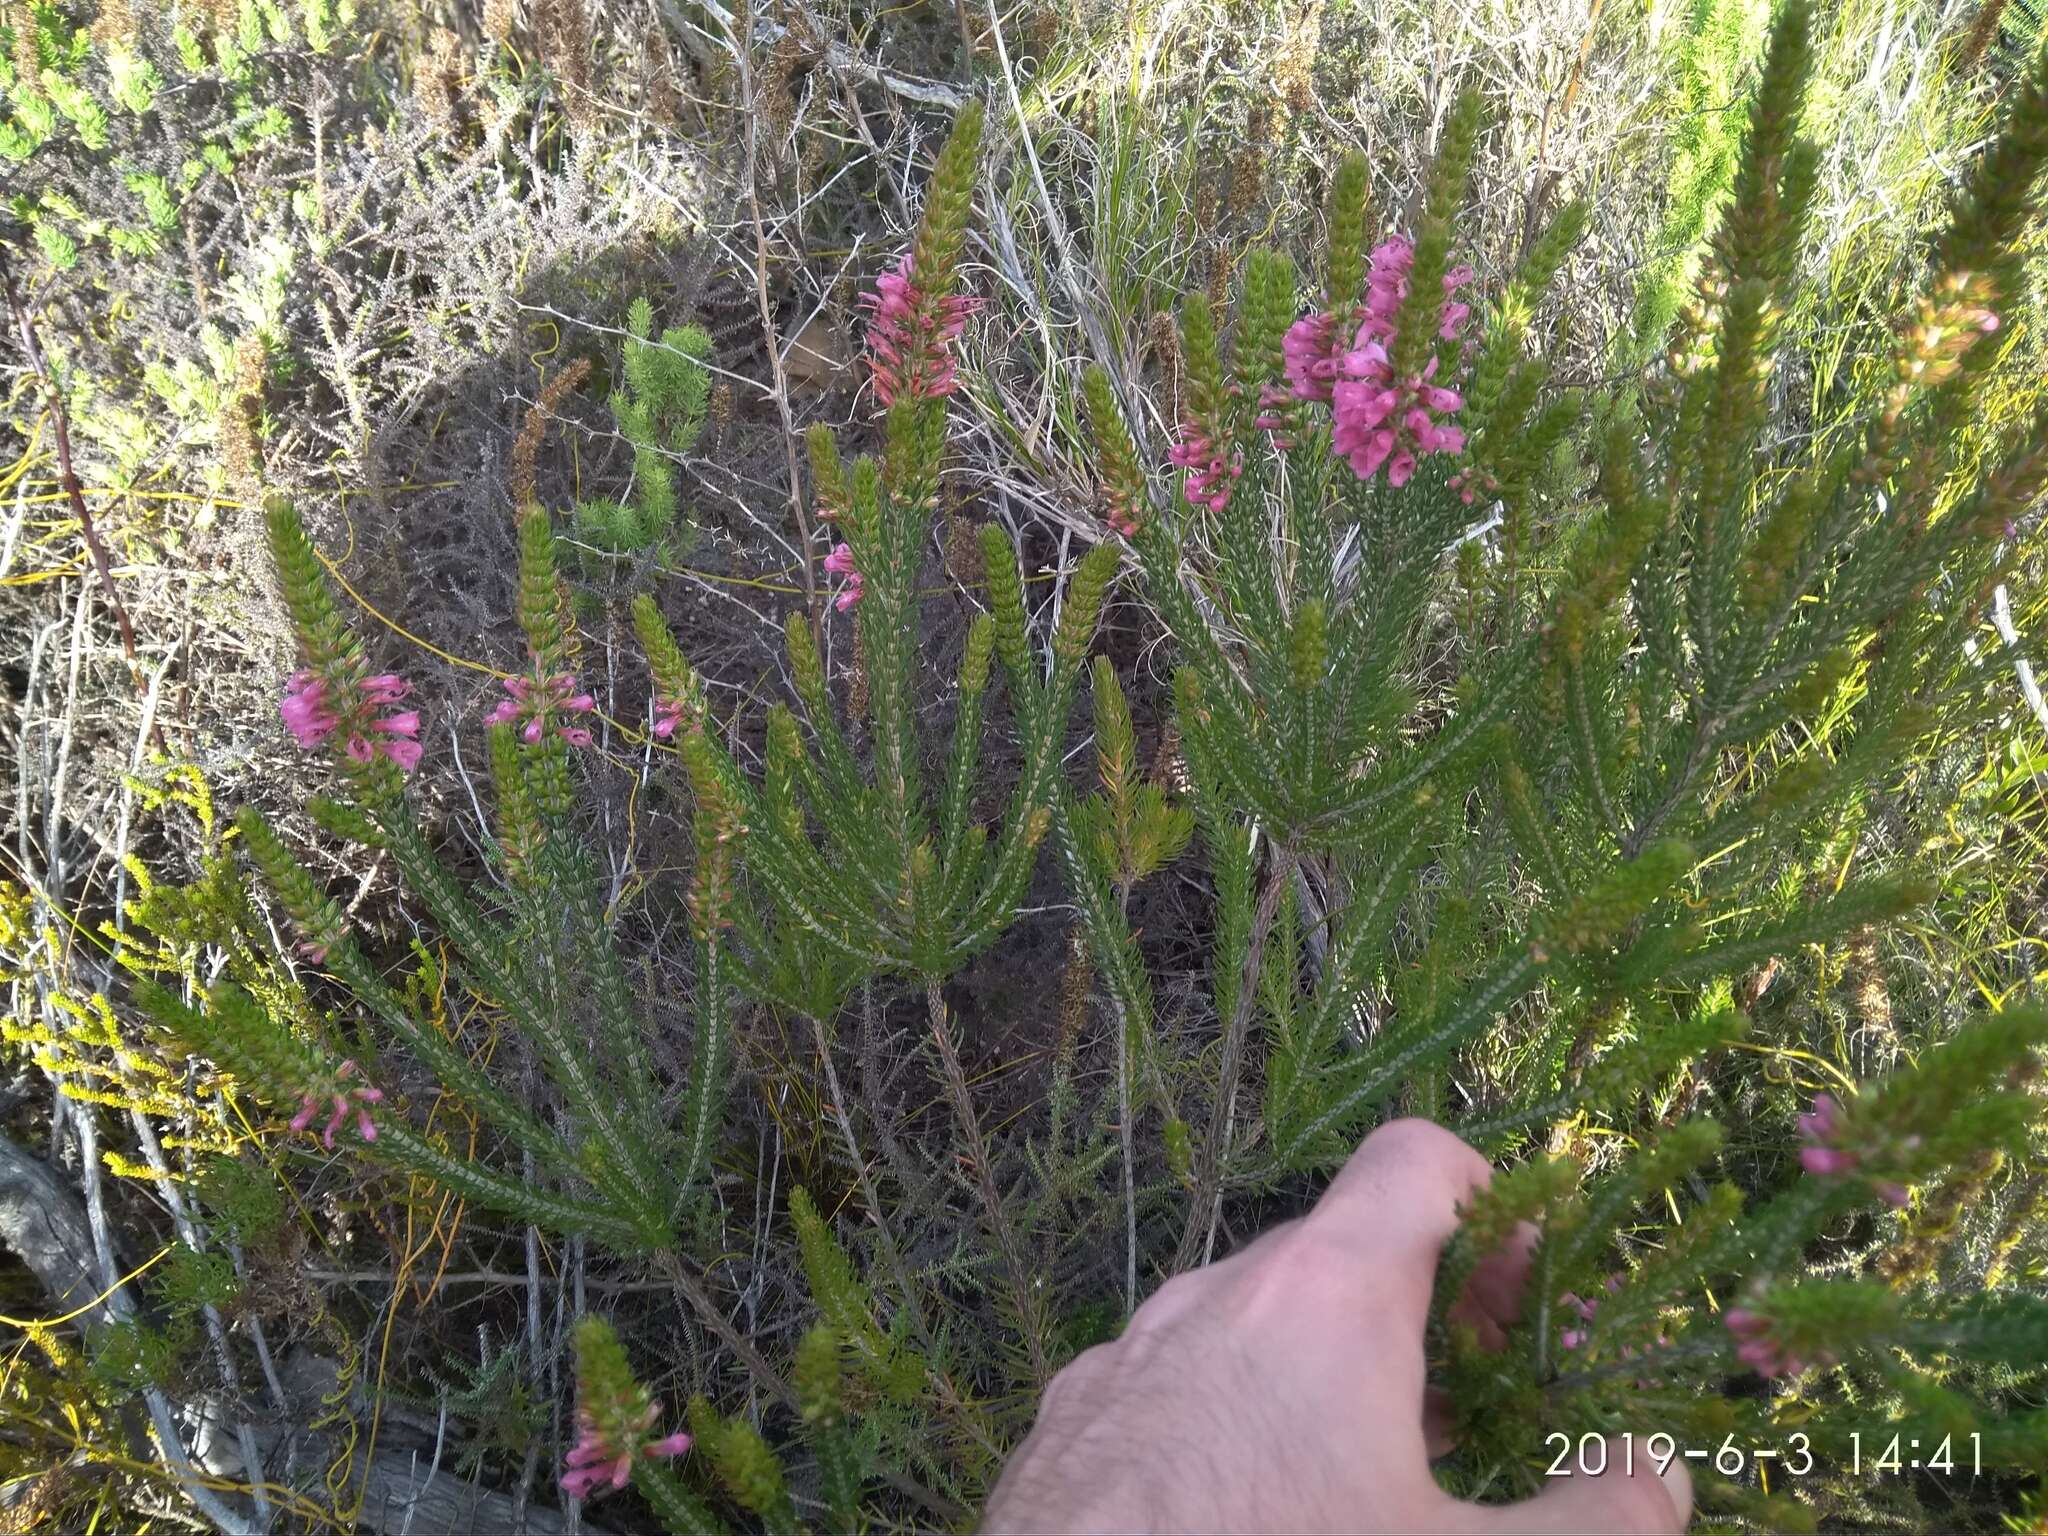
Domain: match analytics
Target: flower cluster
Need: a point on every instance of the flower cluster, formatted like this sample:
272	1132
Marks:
1829	1152
1573	1338
1577	1335
1276	410
1212	465
1761	1350
840	563
1378	418
911	334
597	1460
316	708
1473	482
1123	514
347	1100
544	704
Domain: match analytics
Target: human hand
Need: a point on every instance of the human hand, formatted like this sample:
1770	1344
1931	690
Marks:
1283	1389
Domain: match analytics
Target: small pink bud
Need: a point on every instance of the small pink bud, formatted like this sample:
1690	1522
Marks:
1826	1162
1823	1120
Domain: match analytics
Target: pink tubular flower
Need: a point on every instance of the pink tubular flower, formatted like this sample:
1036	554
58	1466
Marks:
1212	470
1823	1120
911	335
305	709
1827	1162
1829	1152
1760	1350
1313	359
1379	420
1473	482
347	1100
1572	1338
668	715
598	1460
315	709
1276	414
535	702
840	563
391	737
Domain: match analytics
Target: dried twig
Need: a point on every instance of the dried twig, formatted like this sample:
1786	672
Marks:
1545	180
843	60
976	1156
2030	687
891	1253
1209	1160
60	423
750	111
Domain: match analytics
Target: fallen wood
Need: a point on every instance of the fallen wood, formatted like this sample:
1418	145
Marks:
43	1223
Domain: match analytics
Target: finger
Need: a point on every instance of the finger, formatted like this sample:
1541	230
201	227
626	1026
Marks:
1490	1302
1492	1298
1439	1423
1394	1204
1628	1499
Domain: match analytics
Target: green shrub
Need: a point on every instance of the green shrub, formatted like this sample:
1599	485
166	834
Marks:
660	412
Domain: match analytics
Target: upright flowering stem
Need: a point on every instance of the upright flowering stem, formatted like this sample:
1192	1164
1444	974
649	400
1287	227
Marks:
615	1417
1204	446
1123	478
334	700
678	695
914	314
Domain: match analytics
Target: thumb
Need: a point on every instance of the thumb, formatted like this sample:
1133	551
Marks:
1618	1502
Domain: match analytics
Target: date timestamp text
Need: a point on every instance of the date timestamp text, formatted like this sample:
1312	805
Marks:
1591	1455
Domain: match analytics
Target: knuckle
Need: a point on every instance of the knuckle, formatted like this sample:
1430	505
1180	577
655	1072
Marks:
1173	1299
1413	1139
1405	1151
1075	1377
